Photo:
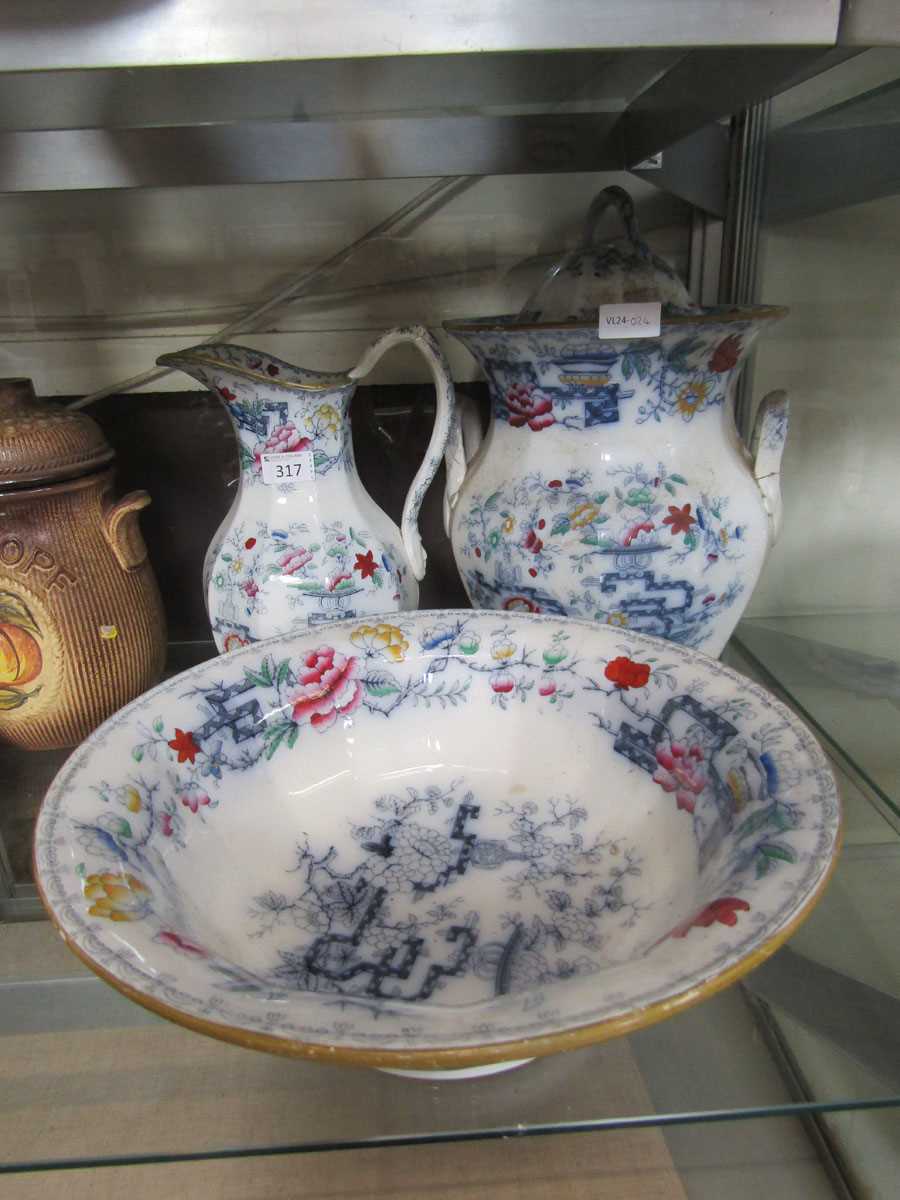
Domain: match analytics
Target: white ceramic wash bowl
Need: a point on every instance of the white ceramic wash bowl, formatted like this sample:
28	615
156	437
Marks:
440	841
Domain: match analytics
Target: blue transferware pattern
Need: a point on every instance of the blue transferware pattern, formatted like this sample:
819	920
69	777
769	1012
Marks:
612	483
296	423
348	843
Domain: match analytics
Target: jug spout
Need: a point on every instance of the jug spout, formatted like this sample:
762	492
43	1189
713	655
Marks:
767	447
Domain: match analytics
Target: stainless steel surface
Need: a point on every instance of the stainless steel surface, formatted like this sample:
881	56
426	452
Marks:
417	85
705	86
268	152
695	169
42	34
870	23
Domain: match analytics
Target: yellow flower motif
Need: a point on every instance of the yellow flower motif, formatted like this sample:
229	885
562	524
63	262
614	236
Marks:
618	618
583	515
116	897
737	789
132	800
383	639
326	417
692	397
723	536
238	565
502	651
508	525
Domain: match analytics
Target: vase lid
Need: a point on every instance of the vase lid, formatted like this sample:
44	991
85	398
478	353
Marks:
41	442
622	271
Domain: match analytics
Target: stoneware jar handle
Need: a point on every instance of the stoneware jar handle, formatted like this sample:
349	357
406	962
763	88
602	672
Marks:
121	528
766	447
444	418
464	442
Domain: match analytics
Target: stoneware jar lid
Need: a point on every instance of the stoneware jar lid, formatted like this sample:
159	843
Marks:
622	271
41	442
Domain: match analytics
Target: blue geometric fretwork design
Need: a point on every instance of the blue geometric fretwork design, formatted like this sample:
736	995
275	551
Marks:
651	605
245	721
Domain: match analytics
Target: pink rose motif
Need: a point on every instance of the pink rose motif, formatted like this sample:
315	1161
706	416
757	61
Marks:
177	942
546	688
165	824
679	772
503	684
292	560
328	689
194	800
251	587
284	439
527	404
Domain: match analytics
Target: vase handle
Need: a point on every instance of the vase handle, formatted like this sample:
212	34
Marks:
464	442
444	424
766	448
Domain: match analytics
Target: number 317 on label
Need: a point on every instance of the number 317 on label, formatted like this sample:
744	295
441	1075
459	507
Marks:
298	467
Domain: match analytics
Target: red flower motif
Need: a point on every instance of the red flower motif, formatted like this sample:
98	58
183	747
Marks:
547	688
542	524
366	564
250	543
680	519
272	370
227	394
643	527
284	439
532	542
679	772
520	604
195	800
251	587
726	354
528	405
292	560
625	673
180	943
724	910
478	552
184	745
555	483
532	571
503	684
165	823
327	689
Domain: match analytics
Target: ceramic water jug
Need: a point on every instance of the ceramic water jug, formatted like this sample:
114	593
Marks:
304	543
612	482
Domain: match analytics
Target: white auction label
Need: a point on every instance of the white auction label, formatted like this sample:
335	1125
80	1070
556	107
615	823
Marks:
298	467
630	320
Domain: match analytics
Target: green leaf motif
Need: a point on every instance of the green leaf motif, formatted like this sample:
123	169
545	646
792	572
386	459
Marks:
124	829
292	737
678	478
492	501
158	725
777	851
560	525
14	611
137	753
283	673
753	823
669	488
380	684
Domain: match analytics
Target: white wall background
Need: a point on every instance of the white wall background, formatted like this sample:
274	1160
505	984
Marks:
838	354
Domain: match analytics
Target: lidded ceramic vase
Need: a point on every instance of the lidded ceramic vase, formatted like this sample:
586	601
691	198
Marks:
612	482
82	630
304	543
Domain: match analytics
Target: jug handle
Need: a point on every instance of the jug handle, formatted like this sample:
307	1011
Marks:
766	448
444	420
122	531
464	442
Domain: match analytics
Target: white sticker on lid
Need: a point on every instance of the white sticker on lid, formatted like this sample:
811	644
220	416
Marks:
296	467
630	320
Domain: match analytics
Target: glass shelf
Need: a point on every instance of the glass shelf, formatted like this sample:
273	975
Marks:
806	1042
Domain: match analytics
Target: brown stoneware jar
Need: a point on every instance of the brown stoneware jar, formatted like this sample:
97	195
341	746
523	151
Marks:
82	630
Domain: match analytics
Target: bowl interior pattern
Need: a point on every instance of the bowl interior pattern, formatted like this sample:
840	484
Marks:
448	830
